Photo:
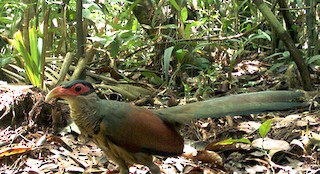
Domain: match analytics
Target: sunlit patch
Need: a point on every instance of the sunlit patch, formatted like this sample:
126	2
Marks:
247	67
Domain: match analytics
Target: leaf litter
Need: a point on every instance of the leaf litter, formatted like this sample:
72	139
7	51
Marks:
30	142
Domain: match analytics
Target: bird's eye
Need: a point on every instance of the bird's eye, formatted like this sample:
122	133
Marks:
77	88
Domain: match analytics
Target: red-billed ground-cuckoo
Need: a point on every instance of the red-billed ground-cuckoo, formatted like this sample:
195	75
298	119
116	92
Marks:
129	134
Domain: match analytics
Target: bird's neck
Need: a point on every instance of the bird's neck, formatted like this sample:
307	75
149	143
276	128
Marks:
83	111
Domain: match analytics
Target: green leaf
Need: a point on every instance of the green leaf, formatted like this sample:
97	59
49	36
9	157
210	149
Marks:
275	66
166	62
180	53
204	44
260	35
6	20
313	59
5	61
35	61
286	54
135	25
266	35
153	77
184	14
175	4
232	141
86	14
273	55
265	128
187	31
115	47
201	63
169	26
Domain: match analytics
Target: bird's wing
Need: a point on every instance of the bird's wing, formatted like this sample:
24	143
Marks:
139	129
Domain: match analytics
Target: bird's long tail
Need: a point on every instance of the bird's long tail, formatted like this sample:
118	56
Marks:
239	104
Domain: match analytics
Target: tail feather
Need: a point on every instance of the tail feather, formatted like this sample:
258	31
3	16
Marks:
240	104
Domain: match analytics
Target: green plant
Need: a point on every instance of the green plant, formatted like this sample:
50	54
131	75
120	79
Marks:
233	141
30	61
265	128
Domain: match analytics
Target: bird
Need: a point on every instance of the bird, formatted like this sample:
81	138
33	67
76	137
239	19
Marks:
130	135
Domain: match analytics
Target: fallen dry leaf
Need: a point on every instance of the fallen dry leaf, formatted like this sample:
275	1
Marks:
270	144
13	151
249	126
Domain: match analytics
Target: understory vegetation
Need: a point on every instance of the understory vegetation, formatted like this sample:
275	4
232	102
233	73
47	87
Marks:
155	54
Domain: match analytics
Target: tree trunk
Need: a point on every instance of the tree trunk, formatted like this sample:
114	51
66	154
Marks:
287	40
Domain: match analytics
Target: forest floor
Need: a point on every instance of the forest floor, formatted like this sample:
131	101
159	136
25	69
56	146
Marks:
35	138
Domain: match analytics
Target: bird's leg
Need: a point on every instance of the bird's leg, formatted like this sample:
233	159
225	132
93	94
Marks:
123	171
123	168
154	169
122	165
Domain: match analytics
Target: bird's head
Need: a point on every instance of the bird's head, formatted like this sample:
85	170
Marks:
71	89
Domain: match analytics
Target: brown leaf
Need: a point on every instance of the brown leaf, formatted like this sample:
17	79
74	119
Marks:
58	140
145	101
205	156
13	151
209	157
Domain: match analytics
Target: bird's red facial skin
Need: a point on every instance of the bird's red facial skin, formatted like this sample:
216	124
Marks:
78	89
64	92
